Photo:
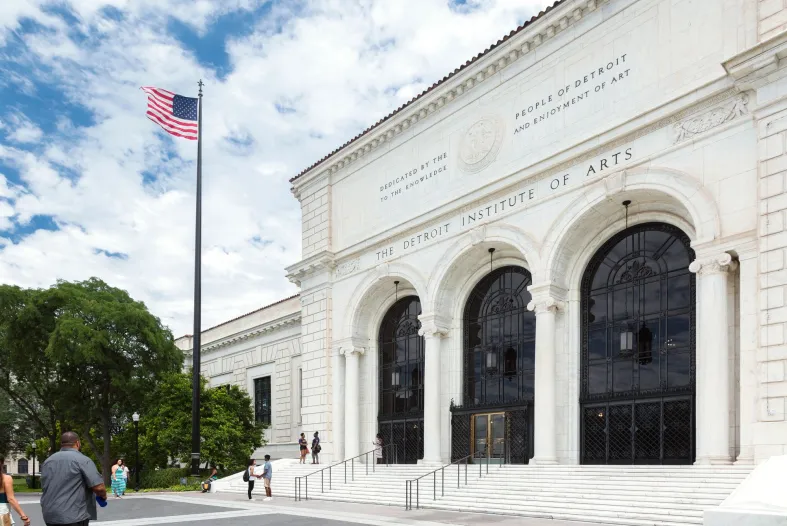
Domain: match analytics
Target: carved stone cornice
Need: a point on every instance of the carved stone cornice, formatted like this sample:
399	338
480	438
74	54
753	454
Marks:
433	326
549	25
755	66
718	264
314	264
267	328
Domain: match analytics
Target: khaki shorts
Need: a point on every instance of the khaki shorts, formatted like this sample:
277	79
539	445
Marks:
267	482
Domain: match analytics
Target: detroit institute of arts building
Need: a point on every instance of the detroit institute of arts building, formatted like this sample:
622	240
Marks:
569	250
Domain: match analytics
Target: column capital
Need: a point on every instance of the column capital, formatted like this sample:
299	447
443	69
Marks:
433	326
353	344
346	351
715	264
542	304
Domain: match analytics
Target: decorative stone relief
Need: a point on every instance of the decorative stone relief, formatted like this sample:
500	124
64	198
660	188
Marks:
711	119
348	267
720	264
481	143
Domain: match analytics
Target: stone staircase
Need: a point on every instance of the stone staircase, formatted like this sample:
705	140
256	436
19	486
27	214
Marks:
627	495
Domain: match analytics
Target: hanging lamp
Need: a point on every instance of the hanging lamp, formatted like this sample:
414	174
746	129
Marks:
627	336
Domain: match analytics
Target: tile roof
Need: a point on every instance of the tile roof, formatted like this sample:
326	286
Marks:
432	87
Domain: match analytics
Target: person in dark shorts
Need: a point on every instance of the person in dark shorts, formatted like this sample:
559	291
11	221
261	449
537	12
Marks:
304	449
69	481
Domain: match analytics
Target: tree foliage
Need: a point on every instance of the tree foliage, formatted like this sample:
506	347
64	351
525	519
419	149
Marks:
83	355
230	434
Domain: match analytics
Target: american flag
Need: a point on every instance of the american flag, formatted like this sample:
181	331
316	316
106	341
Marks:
175	113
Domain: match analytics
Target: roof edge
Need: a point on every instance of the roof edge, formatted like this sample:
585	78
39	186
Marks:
573	11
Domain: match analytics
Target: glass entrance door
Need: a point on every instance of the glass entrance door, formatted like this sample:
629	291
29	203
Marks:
489	436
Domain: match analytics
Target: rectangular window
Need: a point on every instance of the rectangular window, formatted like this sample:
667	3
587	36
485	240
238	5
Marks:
262	400
300	388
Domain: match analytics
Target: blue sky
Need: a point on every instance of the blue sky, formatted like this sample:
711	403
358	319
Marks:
90	187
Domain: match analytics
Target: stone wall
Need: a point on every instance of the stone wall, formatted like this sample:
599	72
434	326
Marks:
772	353
772	16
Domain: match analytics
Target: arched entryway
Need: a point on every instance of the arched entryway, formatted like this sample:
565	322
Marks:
638	344
401	368
495	417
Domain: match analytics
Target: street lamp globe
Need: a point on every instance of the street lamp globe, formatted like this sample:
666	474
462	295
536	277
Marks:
33	445
135	417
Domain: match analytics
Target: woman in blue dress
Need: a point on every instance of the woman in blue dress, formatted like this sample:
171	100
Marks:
118	479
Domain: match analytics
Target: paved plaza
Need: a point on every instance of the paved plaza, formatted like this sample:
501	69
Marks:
228	509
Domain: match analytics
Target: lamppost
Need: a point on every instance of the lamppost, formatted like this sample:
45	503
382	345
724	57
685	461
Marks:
33	445
135	418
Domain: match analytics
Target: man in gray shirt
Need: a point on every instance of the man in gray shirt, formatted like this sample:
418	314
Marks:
68	481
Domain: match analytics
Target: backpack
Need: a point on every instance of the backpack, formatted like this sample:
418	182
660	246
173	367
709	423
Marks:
246	475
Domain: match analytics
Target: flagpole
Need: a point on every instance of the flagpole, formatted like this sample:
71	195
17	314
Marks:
196	358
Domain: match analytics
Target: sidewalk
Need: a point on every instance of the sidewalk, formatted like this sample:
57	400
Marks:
387	514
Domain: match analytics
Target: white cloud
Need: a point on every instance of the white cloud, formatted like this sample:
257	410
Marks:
340	65
20	129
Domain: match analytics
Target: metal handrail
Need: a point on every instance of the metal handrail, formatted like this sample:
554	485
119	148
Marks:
408	496
298	487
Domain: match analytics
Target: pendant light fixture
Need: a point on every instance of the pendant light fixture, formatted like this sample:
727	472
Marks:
395	380
491	252
491	360
396	284
627	336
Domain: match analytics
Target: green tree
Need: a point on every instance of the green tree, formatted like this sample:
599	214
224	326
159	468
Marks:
229	431
82	355
113	352
28	375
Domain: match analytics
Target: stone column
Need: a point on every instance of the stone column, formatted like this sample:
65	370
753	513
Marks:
545	409
352	401
713	351
433	332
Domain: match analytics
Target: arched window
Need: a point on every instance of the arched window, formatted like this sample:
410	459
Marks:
638	348
401	375
500	339
21	466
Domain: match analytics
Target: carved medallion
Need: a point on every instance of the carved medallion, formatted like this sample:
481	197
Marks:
480	144
348	267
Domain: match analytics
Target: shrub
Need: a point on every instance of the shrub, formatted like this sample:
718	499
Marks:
162	478
171	477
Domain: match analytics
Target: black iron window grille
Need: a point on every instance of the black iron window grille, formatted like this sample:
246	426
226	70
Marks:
262	400
638	359
401	375
499	340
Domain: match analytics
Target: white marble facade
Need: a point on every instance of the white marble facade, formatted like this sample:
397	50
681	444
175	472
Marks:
679	106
